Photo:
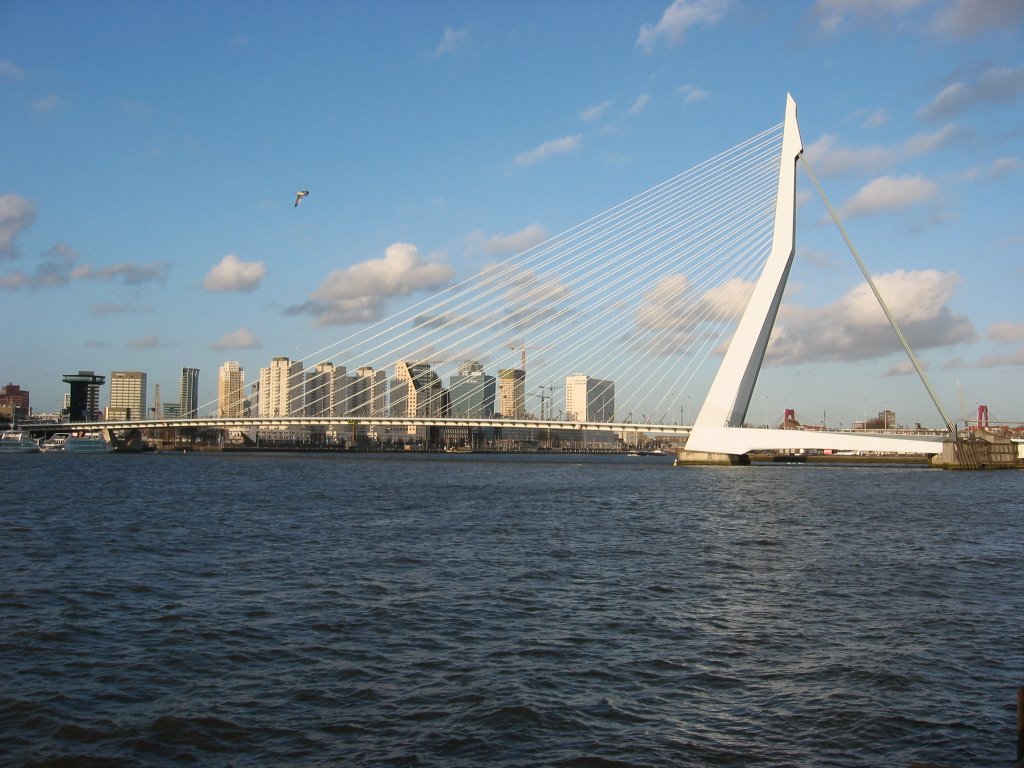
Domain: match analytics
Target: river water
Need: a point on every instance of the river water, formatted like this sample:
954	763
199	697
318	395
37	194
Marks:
321	610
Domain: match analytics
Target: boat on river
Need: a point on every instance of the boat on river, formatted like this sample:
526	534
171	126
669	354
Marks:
67	442
18	442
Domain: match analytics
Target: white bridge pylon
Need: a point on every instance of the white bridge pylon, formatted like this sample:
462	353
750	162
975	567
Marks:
719	425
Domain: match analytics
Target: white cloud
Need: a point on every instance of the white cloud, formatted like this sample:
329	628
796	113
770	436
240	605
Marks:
548	149
888	194
677	20
10	70
146	342
233	275
358	293
831	15
827	158
99	310
639	105
240	339
692	94
970	18
516	242
855	328
16	215
451	40
925	143
46	105
904	368
596	112
997	169
876	119
59	267
998	85
1013	359
1006	331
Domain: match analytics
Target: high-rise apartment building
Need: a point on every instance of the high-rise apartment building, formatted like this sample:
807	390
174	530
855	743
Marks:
282	391
471	393
368	394
231	390
188	393
588	399
416	391
127	396
325	390
512	393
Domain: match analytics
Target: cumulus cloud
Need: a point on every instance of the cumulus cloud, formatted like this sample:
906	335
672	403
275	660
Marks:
548	149
1006	331
692	94
969	18
240	339
998	85
905	368
357	294
677	20
888	194
235	276
146	342
59	266
451	41
876	119
855	328
16	215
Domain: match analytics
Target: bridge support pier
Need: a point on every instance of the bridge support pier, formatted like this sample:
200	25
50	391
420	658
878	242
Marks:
710	459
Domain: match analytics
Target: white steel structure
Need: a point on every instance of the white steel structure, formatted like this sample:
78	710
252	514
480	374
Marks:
718	428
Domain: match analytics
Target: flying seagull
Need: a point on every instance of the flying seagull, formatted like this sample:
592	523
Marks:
299	195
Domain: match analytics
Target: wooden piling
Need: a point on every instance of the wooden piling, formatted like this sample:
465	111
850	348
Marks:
1020	725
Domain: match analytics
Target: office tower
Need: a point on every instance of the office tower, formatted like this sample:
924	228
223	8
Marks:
231	390
281	388
84	403
188	393
588	399
127	396
512	393
471	393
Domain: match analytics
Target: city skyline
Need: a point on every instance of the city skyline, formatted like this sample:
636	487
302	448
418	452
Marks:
148	217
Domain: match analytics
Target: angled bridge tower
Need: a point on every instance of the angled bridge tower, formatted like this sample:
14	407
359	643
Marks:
718	435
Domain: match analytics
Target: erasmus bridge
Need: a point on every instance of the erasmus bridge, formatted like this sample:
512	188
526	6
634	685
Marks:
639	300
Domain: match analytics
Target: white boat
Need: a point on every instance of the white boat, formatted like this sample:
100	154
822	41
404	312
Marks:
84	442
54	442
87	442
17	442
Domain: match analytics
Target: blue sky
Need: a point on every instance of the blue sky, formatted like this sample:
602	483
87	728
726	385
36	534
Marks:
151	153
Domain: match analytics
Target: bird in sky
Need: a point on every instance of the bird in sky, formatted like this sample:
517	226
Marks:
299	195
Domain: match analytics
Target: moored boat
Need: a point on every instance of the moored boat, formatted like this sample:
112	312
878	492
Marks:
17	442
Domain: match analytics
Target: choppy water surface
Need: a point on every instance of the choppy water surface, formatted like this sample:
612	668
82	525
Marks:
466	611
